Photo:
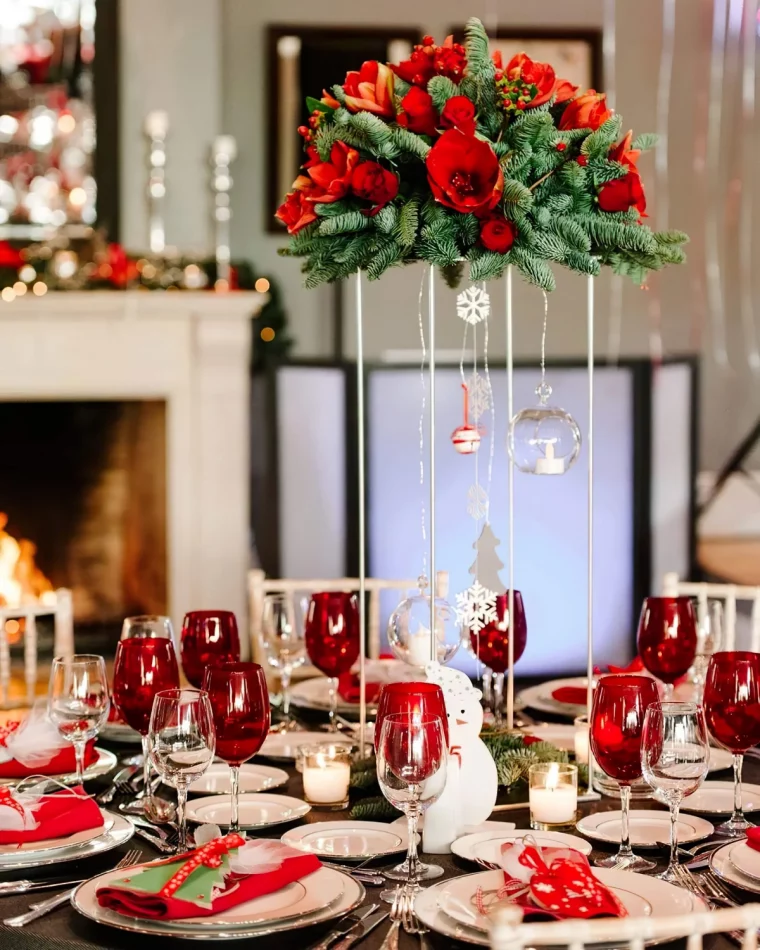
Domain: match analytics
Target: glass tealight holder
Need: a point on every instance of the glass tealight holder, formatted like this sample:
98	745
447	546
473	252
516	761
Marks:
326	773
553	796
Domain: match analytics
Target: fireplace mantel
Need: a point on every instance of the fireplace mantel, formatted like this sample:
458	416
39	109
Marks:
191	349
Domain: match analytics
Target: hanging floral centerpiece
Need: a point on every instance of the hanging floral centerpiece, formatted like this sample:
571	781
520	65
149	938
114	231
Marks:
452	156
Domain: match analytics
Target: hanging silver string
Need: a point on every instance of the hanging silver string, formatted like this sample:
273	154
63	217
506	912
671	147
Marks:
492	442
421	427
749	74
609	52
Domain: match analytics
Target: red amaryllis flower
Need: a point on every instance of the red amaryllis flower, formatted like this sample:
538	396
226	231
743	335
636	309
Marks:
464	173
329	100
419	113
459	113
563	91
370	90
627	192
497	234
428	60
374	183
622	152
332	178
588	111
541	75
297	210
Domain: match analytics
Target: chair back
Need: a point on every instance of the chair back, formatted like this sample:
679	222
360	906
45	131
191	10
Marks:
729	594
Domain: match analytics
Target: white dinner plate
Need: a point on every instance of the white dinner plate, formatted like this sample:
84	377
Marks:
349	840
559	734
486	846
648	828
254	810
314	693
120	732
746	860
117	831
640	894
722	864
540	697
253	778
101	766
223	926
717	798
283	746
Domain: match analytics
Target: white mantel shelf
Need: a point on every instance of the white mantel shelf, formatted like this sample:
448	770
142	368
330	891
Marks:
191	349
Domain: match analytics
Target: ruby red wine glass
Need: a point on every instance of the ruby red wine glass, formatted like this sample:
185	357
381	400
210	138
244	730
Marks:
143	667
331	634
209	638
732	709
240	706
422	699
491	645
667	638
616	731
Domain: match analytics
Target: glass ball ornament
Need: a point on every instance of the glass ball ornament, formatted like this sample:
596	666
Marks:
544	440
409	625
466	439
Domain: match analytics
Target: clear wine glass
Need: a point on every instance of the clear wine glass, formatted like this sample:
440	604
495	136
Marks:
78	701
148	625
675	755
282	641
709	641
411	770
182	743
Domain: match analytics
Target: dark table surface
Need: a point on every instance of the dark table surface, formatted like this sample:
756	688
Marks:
65	929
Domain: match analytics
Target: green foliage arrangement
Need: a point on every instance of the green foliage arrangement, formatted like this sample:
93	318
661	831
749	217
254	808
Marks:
514	754
451	157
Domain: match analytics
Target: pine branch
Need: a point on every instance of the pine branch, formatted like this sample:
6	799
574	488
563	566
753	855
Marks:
408	222
479	63
645	141
515	193
345	223
387	219
441	89
487	265
405	141
533	268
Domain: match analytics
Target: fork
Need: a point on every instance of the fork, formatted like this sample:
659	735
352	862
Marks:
410	921
391	938
44	907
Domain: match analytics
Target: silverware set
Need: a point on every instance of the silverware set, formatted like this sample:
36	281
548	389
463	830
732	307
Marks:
402	915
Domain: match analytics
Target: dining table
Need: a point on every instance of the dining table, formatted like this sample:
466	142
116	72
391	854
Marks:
65	929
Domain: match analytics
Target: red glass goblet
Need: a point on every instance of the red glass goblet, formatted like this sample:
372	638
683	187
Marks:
617	725
491	646
209	638
667	638
240	705
143	667
422	699
732	709
331	634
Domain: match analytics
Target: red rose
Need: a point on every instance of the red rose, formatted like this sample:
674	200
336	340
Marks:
427	60
464	173
374	183
298	210
563	91
541	75
459	113
370	90
588	111
623	193
419	113
332	178
497	234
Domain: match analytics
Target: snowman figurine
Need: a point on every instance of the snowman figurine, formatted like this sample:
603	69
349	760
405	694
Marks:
471	786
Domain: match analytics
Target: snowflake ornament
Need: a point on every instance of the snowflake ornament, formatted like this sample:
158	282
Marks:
479	395
477	502
476	607
473	305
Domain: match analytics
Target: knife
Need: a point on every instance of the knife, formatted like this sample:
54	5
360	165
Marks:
360	931
343	926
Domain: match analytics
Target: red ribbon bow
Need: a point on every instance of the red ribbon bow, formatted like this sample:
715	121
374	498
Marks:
209	855
6	798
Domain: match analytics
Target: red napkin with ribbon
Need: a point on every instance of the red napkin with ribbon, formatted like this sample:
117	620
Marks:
576	695
221	874
348	689
753	838
28	816
549	883
52	755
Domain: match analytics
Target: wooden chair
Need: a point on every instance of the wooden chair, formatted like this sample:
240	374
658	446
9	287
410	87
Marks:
730	594
259	586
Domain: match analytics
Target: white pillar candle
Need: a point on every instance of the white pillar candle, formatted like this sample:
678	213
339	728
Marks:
553	793
325	782
419	648
549	465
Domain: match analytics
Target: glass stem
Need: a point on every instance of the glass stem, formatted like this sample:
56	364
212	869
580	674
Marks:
285	689
625	835
147	797
738	814
333	704
674	807
498	697
181	817
412	817
79	747
667	693
234	791
487	686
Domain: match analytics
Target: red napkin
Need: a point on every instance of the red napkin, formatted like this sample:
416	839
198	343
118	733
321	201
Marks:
57	815
574	695
61	762
223	873
348	689
753	838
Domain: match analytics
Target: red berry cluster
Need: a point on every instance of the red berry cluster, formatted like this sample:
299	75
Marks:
515	94
315	120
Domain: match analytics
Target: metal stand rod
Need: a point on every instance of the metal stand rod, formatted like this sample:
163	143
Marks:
511	483
433	579
362	565
590	450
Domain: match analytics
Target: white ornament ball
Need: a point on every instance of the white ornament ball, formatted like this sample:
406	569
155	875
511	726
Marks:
466	439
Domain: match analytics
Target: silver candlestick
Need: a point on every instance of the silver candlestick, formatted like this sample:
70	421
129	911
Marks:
224	152
156	127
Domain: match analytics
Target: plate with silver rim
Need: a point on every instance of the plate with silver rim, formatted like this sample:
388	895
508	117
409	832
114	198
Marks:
105	762
486	845
540	697
253	778
348	840
118	831
283	746
717	798
722	865
255	810
648	828
218	927
29	848
746	860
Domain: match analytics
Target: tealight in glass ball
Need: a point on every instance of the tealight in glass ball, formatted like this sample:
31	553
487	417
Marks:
544	440
409	626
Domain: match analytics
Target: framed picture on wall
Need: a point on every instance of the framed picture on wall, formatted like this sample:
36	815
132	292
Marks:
576	55
301	61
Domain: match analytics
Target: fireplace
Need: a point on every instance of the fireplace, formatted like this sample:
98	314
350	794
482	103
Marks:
84	493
